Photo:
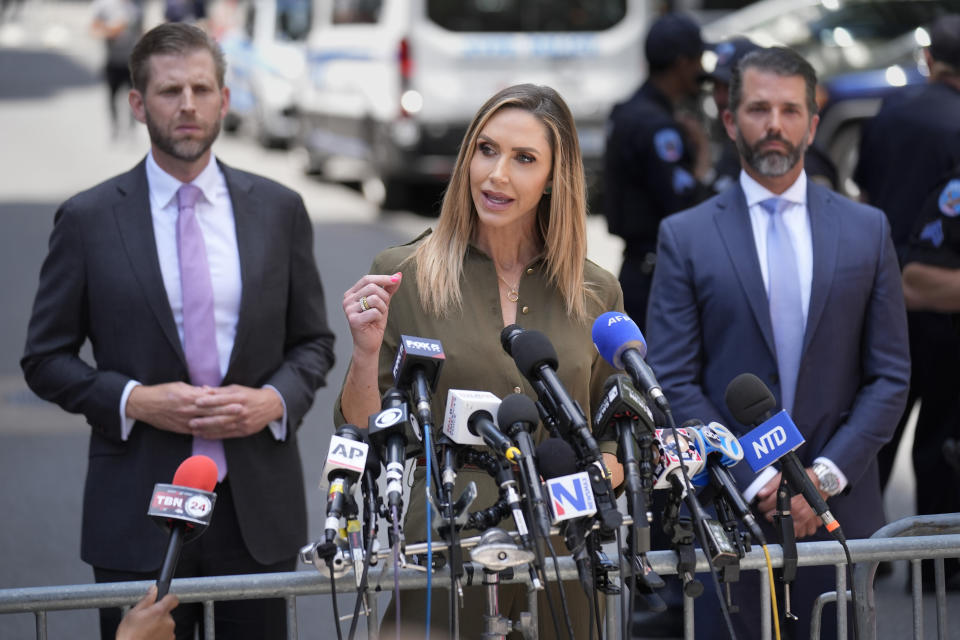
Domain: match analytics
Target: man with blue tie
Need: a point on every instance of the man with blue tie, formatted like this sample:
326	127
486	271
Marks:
782	278
196	286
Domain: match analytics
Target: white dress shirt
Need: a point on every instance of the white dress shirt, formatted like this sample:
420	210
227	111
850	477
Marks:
215	216
796	218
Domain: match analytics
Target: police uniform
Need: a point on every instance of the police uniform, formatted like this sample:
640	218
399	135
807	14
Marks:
649	175
905	151
936	460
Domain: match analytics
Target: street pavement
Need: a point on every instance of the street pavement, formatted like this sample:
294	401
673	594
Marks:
55	140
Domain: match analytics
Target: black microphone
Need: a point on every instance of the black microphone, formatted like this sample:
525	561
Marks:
395	433
620	342
346	460
537	360
417	367
574	501
183	508
518	417
751	403
621	411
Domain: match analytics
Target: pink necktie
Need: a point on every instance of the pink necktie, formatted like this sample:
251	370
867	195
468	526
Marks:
199	326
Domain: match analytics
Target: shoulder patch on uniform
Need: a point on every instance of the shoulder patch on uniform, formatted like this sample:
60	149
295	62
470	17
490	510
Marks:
932	232
949	200
682	180
668	144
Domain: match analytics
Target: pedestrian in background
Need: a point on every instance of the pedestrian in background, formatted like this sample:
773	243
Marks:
906	150
656	159
119	24
196	285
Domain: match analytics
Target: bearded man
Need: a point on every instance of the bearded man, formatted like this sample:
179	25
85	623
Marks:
782	278
196	286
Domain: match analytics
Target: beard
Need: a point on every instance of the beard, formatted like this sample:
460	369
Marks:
771	164
188	149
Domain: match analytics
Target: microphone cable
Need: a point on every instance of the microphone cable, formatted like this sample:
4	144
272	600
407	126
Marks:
428	454
773	593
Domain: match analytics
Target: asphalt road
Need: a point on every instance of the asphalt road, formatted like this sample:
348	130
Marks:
54	137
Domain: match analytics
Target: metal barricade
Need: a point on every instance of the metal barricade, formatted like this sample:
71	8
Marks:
866	553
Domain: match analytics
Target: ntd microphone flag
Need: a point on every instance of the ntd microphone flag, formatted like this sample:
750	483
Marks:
770	441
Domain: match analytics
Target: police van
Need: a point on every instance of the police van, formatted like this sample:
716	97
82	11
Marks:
266	55
391	85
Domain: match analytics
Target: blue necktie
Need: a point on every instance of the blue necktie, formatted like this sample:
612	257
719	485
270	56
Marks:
783	293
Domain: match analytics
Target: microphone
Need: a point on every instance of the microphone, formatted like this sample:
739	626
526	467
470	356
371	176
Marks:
184	508
396	435
572	503
620	342
346	460
518	417
417	367
774	438
536	359
468	420
675	455
720	448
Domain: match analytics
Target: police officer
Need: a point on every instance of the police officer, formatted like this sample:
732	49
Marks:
656	160
931	281
905	151
726	168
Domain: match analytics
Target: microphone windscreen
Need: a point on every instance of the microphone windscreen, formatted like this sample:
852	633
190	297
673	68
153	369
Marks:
748	399
555	458
350	432
196	472
613	332
509	332
531	349
517	408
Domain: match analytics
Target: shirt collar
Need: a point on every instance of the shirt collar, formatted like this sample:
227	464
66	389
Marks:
756	192
163	186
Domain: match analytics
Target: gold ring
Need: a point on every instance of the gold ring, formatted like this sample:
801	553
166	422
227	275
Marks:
363	303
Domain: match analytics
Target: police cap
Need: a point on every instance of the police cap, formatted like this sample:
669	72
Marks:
945	40
672	36
729	53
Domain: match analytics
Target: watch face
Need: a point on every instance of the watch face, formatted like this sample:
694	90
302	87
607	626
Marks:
828	480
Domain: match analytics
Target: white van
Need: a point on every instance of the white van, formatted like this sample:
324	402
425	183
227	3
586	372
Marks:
266	56
391	85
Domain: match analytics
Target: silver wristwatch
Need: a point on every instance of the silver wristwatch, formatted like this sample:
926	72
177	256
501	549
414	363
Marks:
829	482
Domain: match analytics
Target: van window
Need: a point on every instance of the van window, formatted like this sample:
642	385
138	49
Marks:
526	15
294	18
356	11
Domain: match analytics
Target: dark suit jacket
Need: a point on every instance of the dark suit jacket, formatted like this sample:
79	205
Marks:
708	322
101	281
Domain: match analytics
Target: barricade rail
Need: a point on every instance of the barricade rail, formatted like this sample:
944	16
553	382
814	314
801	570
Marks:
933	542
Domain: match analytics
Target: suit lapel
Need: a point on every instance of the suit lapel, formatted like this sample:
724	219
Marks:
733	225
825	234
135	223
248	218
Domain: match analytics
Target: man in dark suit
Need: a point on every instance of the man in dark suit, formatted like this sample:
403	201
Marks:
196	286
785	279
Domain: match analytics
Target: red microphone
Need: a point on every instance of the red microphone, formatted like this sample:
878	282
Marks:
183	508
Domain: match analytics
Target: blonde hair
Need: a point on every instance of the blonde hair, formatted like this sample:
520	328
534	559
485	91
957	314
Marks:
561	215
